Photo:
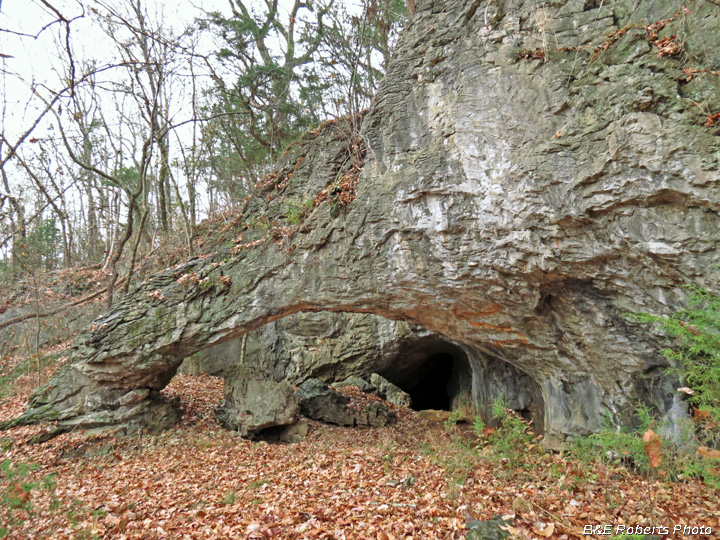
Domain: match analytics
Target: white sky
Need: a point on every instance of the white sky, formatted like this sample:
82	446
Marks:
36	63
35	60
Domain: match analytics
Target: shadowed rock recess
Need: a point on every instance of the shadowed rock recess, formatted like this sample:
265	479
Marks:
533	170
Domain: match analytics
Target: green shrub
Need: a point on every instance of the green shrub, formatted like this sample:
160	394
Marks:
513	436
297	209
453	419
479	426
624	447
617	446
696	356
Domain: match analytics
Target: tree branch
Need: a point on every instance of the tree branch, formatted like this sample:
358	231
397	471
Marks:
55	311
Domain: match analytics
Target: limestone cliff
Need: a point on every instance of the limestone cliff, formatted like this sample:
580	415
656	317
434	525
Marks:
532	170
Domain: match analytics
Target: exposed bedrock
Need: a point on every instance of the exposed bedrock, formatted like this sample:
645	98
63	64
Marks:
516	208
325	345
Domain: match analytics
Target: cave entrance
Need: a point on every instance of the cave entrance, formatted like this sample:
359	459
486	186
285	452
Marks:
435	373
431	388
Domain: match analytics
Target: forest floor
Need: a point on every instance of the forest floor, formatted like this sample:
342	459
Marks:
413	479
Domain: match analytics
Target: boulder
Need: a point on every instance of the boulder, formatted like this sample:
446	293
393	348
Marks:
490	529
374	414
354	380
254	403
432	415
319	402
387	390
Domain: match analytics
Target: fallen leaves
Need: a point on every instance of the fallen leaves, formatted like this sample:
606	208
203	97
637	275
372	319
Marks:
187	279
653	447
546	530
691	72
708	453
654	29
712	120
532	54
249	245
668	46
612	38
18	494
199	481
155	295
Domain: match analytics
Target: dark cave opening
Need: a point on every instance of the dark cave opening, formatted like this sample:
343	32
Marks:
430	388
435	373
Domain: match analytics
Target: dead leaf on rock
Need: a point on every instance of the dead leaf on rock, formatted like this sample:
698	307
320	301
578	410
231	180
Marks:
712	120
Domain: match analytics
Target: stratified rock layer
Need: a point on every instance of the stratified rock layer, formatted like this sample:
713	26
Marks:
517	207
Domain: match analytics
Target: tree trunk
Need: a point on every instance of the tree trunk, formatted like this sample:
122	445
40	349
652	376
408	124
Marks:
163	183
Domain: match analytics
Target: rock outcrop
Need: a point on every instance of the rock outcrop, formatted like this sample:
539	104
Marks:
341	348
353	380
392	393
532	171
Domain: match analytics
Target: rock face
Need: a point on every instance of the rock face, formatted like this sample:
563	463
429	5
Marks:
387	390
330	346
515	206
324	345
